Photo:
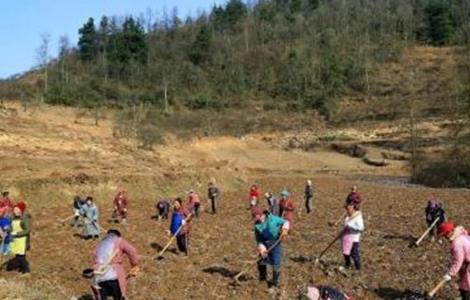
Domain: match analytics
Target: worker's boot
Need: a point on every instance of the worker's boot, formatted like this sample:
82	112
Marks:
263	272
276	277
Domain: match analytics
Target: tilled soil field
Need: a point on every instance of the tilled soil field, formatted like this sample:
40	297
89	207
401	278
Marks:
223	244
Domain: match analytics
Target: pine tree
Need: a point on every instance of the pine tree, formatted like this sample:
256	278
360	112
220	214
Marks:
438	20
88	41
235	11
200	49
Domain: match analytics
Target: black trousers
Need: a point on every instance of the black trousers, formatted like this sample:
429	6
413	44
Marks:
465	295
196	209
110	288
355	255
182	243
308	204
18	263
163	213
214	204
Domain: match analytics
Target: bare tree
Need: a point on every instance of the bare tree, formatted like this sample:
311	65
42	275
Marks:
43	58
64	51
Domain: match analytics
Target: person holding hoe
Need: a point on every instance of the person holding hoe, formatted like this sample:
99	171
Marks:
90	213
351	235
120	204
434	211
180	225
108	275
460	252
270	231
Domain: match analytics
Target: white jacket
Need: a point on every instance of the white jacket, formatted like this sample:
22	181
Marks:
354	225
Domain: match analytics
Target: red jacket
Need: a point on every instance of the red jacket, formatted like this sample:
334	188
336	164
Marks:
120	202
254	193
6	205
287	208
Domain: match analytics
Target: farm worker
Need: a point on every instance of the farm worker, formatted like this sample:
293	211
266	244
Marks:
268	230
273	203
5	233
78	202
322	292
433	211
109	258
351	235
286	207
163	209
194	203
180	220
20	243
308	196
120	203
254	194
255	210
6	205
460	252
213	196
354	197
91	214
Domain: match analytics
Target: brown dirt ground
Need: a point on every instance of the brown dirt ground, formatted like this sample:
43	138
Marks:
41	154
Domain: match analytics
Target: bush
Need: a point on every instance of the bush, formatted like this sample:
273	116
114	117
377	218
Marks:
148	132
443	173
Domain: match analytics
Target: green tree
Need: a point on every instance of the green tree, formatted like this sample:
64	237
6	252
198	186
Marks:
438	22
88	41
235	11
200	49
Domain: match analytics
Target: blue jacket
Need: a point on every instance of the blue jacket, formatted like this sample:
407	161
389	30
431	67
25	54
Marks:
269	231
5	226
176	221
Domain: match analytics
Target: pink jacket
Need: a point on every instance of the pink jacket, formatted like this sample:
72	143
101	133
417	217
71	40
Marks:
193	198
460	251
123	247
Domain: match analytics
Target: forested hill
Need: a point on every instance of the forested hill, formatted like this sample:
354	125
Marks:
281	54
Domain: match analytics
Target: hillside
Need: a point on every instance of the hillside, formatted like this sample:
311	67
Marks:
48	159
274	92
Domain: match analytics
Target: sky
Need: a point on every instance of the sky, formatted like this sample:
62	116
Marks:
23	21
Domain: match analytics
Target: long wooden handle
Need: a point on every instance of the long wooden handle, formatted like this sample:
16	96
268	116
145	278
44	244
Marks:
173	237
66	219
339	220
256	262
330	244
437	288
427	232
102	268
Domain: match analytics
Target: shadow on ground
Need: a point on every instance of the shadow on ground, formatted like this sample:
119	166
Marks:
394	294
